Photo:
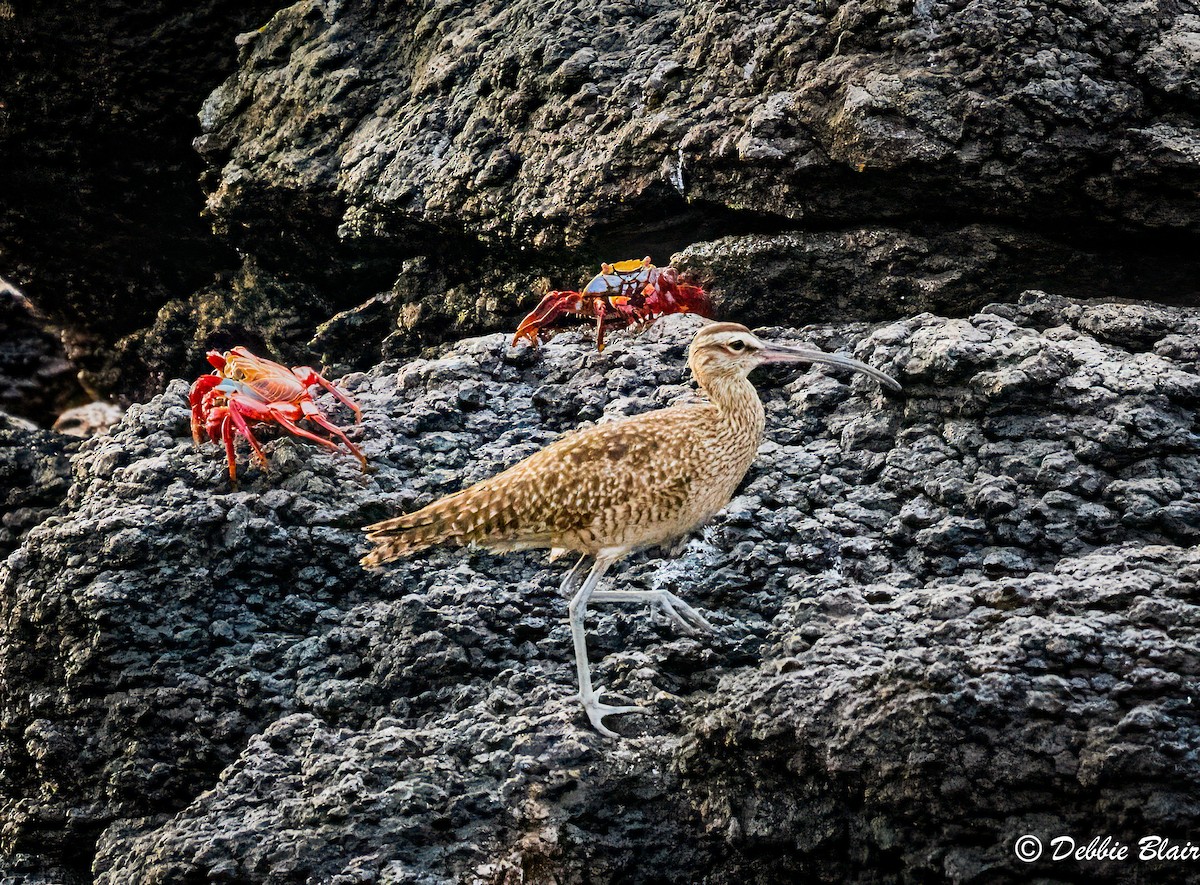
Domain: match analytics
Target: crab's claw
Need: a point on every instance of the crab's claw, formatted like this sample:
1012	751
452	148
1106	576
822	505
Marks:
550	308
196	395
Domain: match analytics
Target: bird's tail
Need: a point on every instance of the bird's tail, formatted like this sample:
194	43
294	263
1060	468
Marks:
463	518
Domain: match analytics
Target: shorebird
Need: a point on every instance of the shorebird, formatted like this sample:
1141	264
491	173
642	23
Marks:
608	490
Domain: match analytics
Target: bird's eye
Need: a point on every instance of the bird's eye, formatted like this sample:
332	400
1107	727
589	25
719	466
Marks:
736	345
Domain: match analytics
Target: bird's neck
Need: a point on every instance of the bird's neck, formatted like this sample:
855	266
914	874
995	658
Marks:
740	408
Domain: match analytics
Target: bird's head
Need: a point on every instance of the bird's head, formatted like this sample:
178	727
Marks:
730	350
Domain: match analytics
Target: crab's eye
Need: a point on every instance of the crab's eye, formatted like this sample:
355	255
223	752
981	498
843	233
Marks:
736	345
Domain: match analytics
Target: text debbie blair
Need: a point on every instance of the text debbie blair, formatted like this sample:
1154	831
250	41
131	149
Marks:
1108	848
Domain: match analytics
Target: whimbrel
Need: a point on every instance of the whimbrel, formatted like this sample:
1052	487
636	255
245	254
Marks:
608	490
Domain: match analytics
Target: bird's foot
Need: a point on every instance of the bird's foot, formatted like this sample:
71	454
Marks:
596	712
683	615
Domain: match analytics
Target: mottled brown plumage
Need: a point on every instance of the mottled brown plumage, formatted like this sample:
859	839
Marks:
607	490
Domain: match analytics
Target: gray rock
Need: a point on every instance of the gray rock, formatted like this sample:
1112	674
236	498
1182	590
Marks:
925	649
931	728
384	177
546	124
876	272
35	473
851	161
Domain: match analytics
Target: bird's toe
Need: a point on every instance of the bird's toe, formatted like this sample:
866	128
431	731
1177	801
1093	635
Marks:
596	712
683	615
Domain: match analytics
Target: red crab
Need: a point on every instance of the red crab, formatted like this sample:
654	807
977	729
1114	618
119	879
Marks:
245	388
627	292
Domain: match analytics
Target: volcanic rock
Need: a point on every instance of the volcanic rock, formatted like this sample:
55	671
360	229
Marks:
945	619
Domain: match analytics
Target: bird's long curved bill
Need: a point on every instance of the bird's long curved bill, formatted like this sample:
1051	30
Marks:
781	353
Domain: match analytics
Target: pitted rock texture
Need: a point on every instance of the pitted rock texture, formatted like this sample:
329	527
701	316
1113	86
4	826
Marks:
882	158
546	124
876	273
978	709
511	147
945	619
35	474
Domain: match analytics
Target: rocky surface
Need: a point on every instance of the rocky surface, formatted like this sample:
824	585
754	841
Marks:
35	473
944	620
888	157
877	273
545	124
386	176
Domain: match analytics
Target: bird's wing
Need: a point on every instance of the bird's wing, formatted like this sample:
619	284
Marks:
627	473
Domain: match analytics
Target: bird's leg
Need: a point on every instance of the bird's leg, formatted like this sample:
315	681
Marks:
595	710
569	585
677	611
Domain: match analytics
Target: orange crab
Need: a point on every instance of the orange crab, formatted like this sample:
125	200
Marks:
245	388
628	292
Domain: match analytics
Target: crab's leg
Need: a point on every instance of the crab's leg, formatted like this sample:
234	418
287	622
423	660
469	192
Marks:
237	406
312	413
309	377
286	421
227	435
216	409
600	309
215	417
